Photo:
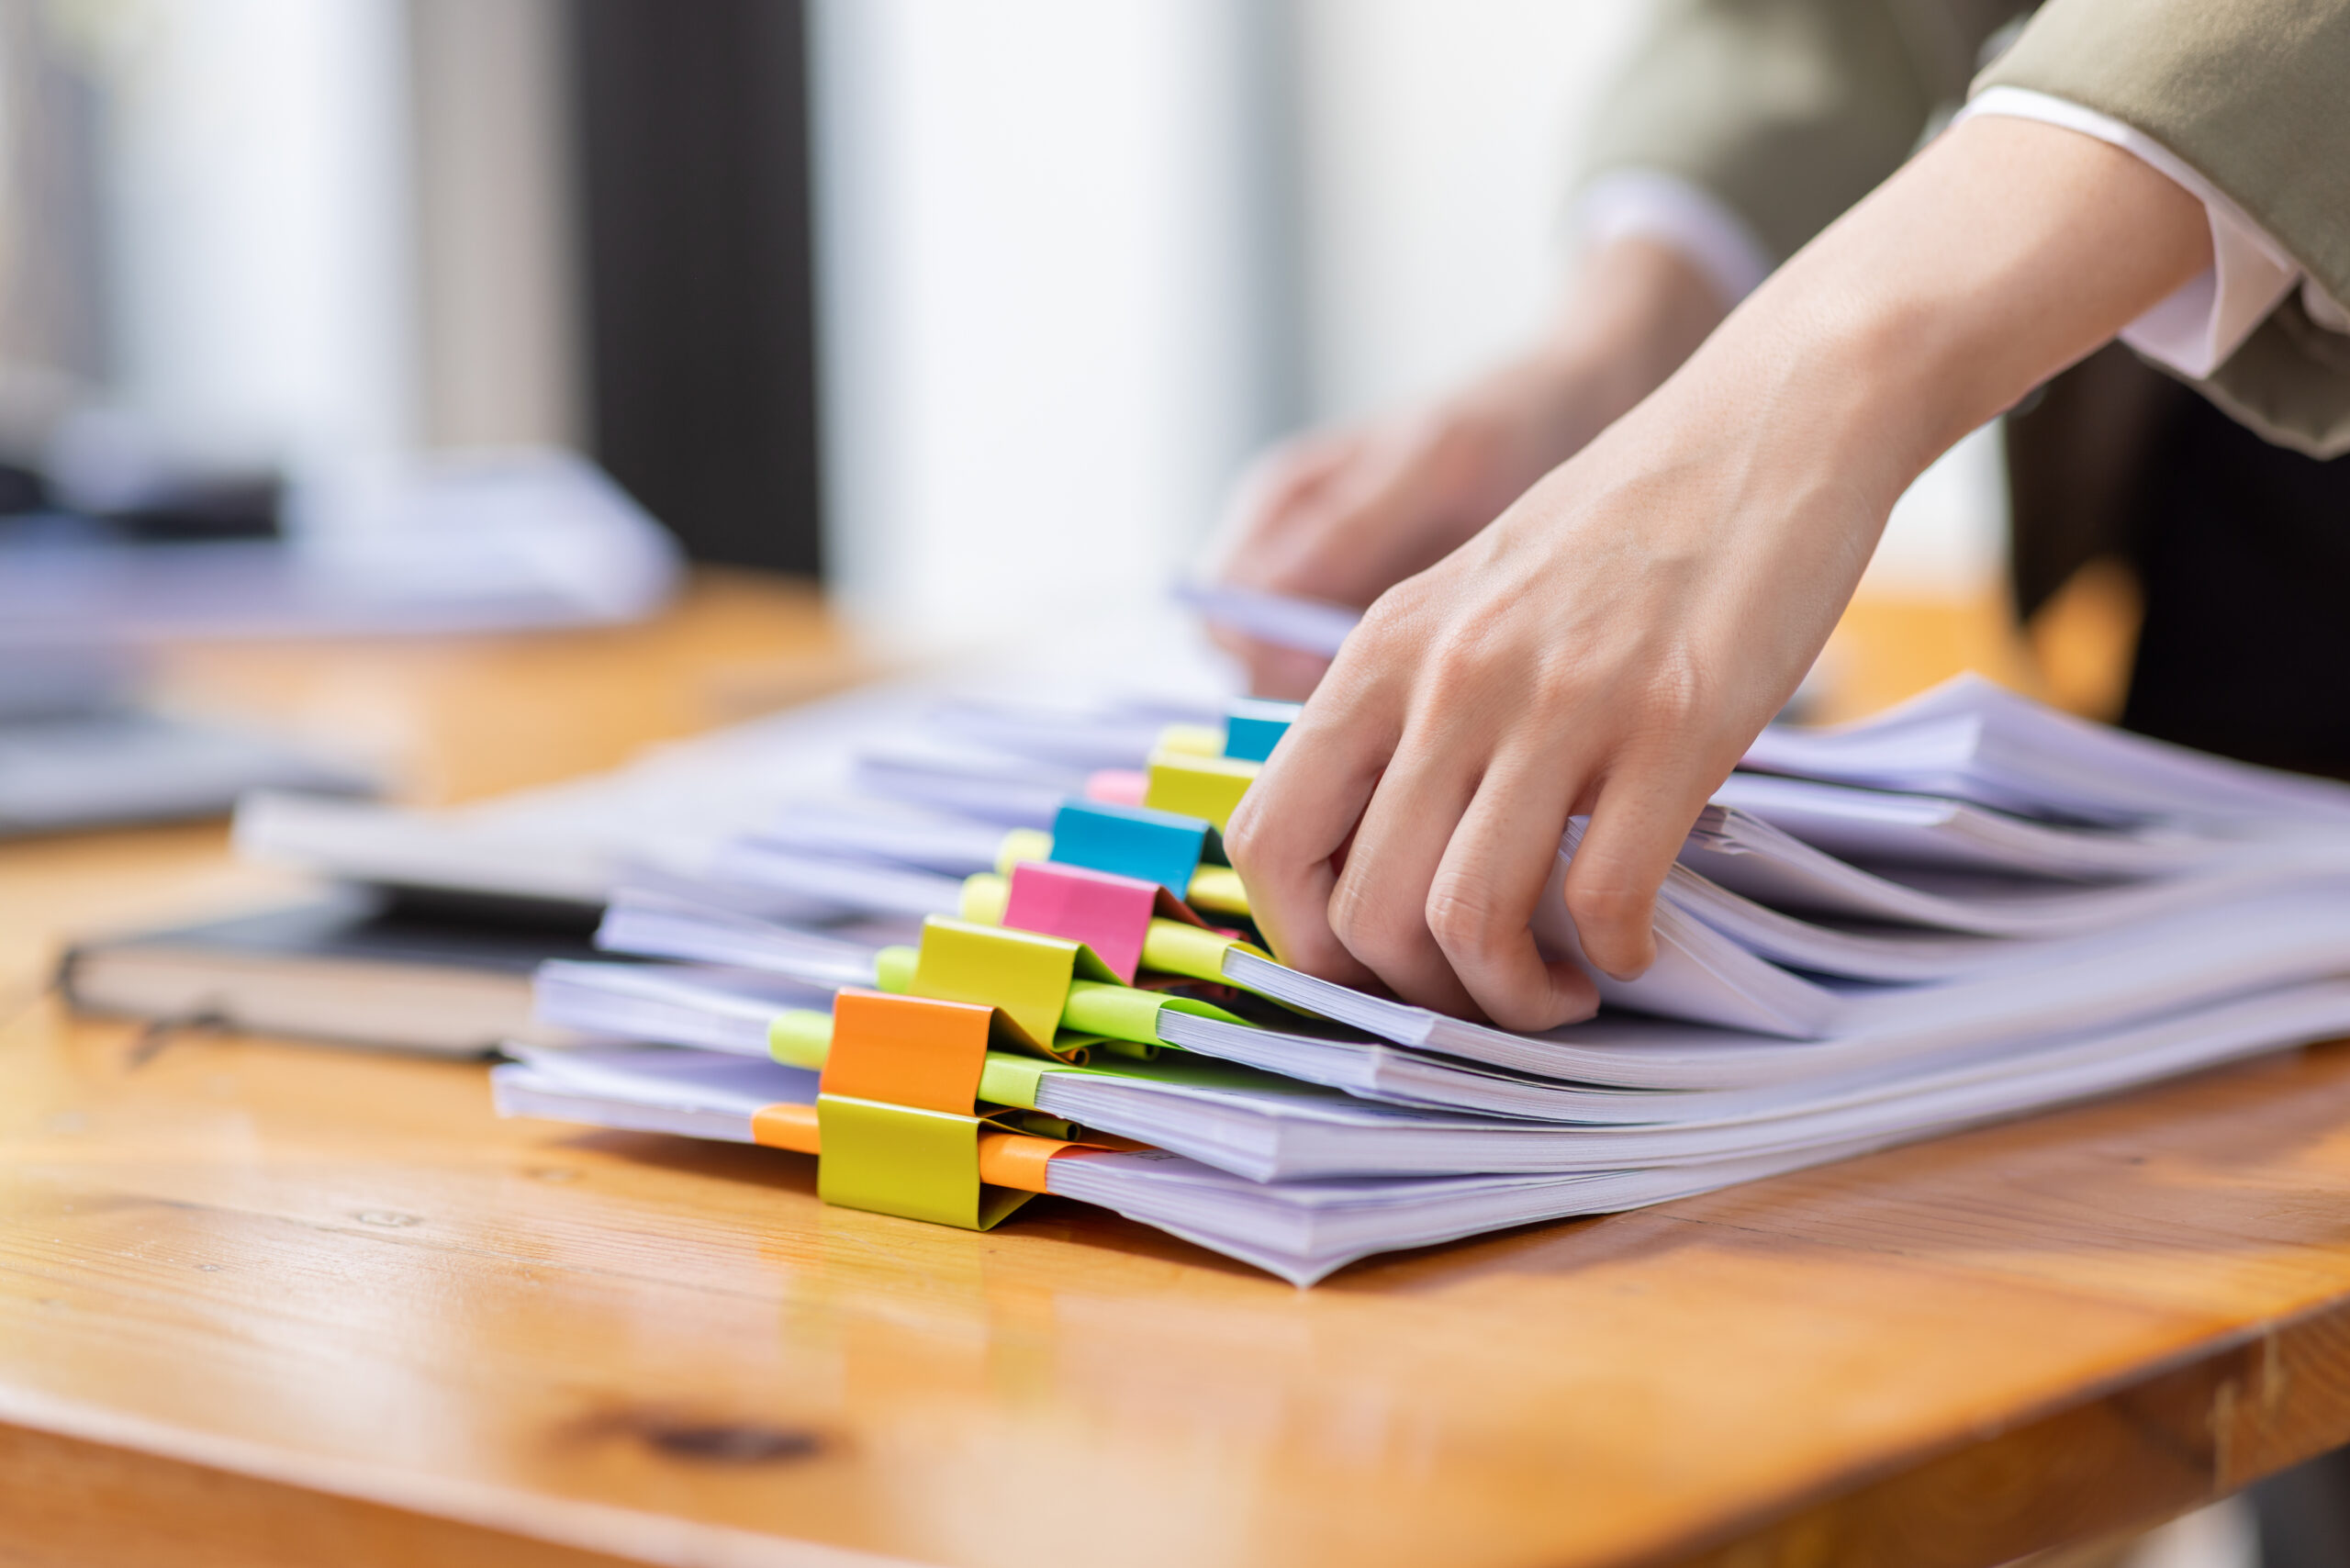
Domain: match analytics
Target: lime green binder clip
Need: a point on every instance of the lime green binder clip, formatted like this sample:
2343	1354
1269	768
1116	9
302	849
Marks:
1026	974
908	1162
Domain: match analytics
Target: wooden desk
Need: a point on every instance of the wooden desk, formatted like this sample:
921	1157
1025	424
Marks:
262	1304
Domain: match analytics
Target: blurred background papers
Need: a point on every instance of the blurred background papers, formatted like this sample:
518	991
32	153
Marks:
462	544
1308	625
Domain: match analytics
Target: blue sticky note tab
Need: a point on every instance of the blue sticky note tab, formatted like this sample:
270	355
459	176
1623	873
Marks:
1253	725
1130	841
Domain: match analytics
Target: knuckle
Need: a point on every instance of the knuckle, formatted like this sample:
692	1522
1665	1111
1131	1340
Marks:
1465	663
1464	444
1364	925
1464	916
1606	904
1675	693
1244	836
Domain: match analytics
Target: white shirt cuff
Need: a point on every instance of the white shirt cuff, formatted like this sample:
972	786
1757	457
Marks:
2196	328
1649	205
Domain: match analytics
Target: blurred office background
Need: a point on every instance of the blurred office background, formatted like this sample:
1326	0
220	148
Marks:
974	309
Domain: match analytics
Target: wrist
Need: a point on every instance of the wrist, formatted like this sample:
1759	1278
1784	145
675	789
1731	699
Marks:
1635	311
2005	252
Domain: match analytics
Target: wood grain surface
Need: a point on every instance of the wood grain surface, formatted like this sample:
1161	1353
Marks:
264	1303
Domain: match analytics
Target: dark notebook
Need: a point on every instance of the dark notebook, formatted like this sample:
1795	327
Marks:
359	966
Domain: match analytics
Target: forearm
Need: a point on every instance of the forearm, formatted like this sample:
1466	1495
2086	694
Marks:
2004	252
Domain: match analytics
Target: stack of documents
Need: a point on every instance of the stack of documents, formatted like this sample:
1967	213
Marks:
998	954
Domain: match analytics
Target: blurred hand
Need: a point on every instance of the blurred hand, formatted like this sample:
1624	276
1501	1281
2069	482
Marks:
1616	640
1343	515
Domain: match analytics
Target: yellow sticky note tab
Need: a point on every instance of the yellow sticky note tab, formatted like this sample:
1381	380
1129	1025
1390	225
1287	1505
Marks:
985	896
1177	947
1191	740
1021	844
1218	889
1025	974
1208	787
896	1159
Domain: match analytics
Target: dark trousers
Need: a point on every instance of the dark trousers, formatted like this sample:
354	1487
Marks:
2243	551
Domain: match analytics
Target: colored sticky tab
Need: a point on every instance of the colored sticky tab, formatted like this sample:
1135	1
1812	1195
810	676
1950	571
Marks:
1026	974
1217	889
900	1160
800	1038
1253	726
1199	740
1122	1013
1175	948
1114	1012
984	896
1021	844
788	1126
1118	786
1208	787
907	1051
893	968
1009	1079
1018	1159
1109	913
1130	841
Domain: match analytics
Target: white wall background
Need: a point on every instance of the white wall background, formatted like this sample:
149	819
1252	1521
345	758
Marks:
1040	269
1080	256
1439	138
258	223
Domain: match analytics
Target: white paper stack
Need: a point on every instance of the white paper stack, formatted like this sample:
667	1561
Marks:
1969	908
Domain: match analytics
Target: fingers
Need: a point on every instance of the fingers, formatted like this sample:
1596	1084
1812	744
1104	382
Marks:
1278	497
1296	817
1377	909
1639	823
1480	906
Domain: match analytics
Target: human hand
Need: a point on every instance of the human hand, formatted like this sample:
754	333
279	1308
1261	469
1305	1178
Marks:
1342	515
1613	643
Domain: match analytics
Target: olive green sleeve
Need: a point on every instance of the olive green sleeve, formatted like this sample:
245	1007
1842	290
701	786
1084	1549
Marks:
2254	95
1786	111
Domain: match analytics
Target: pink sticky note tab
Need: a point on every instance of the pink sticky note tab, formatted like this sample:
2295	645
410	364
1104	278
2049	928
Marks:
1110	914
1117	787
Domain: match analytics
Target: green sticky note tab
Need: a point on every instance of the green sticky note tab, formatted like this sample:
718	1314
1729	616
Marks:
894	970
1118	1012
1025	974
1199	1009
1179	947
896	1159
800	1039
1012	1079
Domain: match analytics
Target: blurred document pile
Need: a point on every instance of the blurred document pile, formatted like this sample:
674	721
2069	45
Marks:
95	574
